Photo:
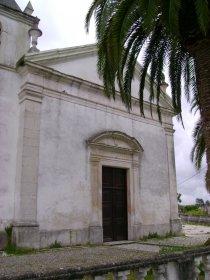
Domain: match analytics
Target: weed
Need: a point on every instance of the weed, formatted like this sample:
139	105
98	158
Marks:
155	236
150	275
168	250
132	276
110	276
56	244
201	268
10	248
8	231
86	277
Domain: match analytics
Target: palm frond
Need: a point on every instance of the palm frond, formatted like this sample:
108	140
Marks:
170	32
170	14
203	15
199	147
175	74
148	9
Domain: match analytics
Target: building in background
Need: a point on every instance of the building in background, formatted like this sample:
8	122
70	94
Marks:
75	166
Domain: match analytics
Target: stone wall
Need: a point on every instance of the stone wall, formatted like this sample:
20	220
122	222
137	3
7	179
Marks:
196	219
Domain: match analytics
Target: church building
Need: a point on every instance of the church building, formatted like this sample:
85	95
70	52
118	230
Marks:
75	166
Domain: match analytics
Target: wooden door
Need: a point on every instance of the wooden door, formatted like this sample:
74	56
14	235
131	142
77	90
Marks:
114	204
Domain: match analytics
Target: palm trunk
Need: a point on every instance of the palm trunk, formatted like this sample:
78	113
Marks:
202	64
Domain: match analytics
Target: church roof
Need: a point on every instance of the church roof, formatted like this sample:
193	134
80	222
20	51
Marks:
10	4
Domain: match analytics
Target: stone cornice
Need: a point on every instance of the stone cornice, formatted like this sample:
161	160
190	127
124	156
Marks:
49	73
8	68
79	91
60	54
30	95
17	15
57	55
52	74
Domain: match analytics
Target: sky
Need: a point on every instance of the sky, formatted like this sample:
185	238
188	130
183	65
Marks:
62	24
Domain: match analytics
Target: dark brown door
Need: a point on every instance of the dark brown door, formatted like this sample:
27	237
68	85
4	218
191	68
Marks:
114	201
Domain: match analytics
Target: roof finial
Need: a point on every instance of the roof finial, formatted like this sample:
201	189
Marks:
163	84
29	9
34	33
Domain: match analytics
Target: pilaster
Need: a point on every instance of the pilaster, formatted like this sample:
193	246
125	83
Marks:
25	230
174	218
95	228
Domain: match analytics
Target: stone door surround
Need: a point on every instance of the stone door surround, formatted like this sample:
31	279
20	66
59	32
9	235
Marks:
114	149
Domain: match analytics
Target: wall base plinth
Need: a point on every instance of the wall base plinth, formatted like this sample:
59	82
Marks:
26	235
176	226
95	234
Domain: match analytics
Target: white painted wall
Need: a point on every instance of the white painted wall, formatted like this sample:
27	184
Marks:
85	67
14	44
9	112
64	193
64	190
15	41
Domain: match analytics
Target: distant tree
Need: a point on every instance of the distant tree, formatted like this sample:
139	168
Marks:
179	197
199	202
207	203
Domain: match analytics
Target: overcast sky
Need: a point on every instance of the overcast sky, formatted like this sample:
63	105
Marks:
62	24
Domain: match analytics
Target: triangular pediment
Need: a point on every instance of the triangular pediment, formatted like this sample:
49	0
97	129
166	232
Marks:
81	62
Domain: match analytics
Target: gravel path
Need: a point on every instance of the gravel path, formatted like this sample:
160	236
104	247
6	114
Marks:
68	258
192	230
80	257
193	236
182	241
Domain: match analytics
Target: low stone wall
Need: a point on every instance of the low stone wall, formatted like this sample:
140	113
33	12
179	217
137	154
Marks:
176	266
195	219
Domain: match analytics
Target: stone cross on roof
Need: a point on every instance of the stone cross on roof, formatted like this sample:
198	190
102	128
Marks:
10	4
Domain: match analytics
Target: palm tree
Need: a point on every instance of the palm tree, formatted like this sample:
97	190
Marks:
173	33
199	147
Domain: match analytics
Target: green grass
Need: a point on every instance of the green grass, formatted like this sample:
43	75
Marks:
55	245
150	275
172	249
195	224
193	210
155	236
197	212
12	250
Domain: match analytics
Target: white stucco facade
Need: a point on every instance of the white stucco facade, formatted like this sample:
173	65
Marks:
57	131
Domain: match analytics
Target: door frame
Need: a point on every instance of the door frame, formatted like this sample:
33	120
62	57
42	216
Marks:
113	208
114	149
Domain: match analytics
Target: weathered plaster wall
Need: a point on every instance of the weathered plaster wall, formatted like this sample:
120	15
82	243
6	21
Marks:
9	113
64	176
71	111
84	66
46	118
15	41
